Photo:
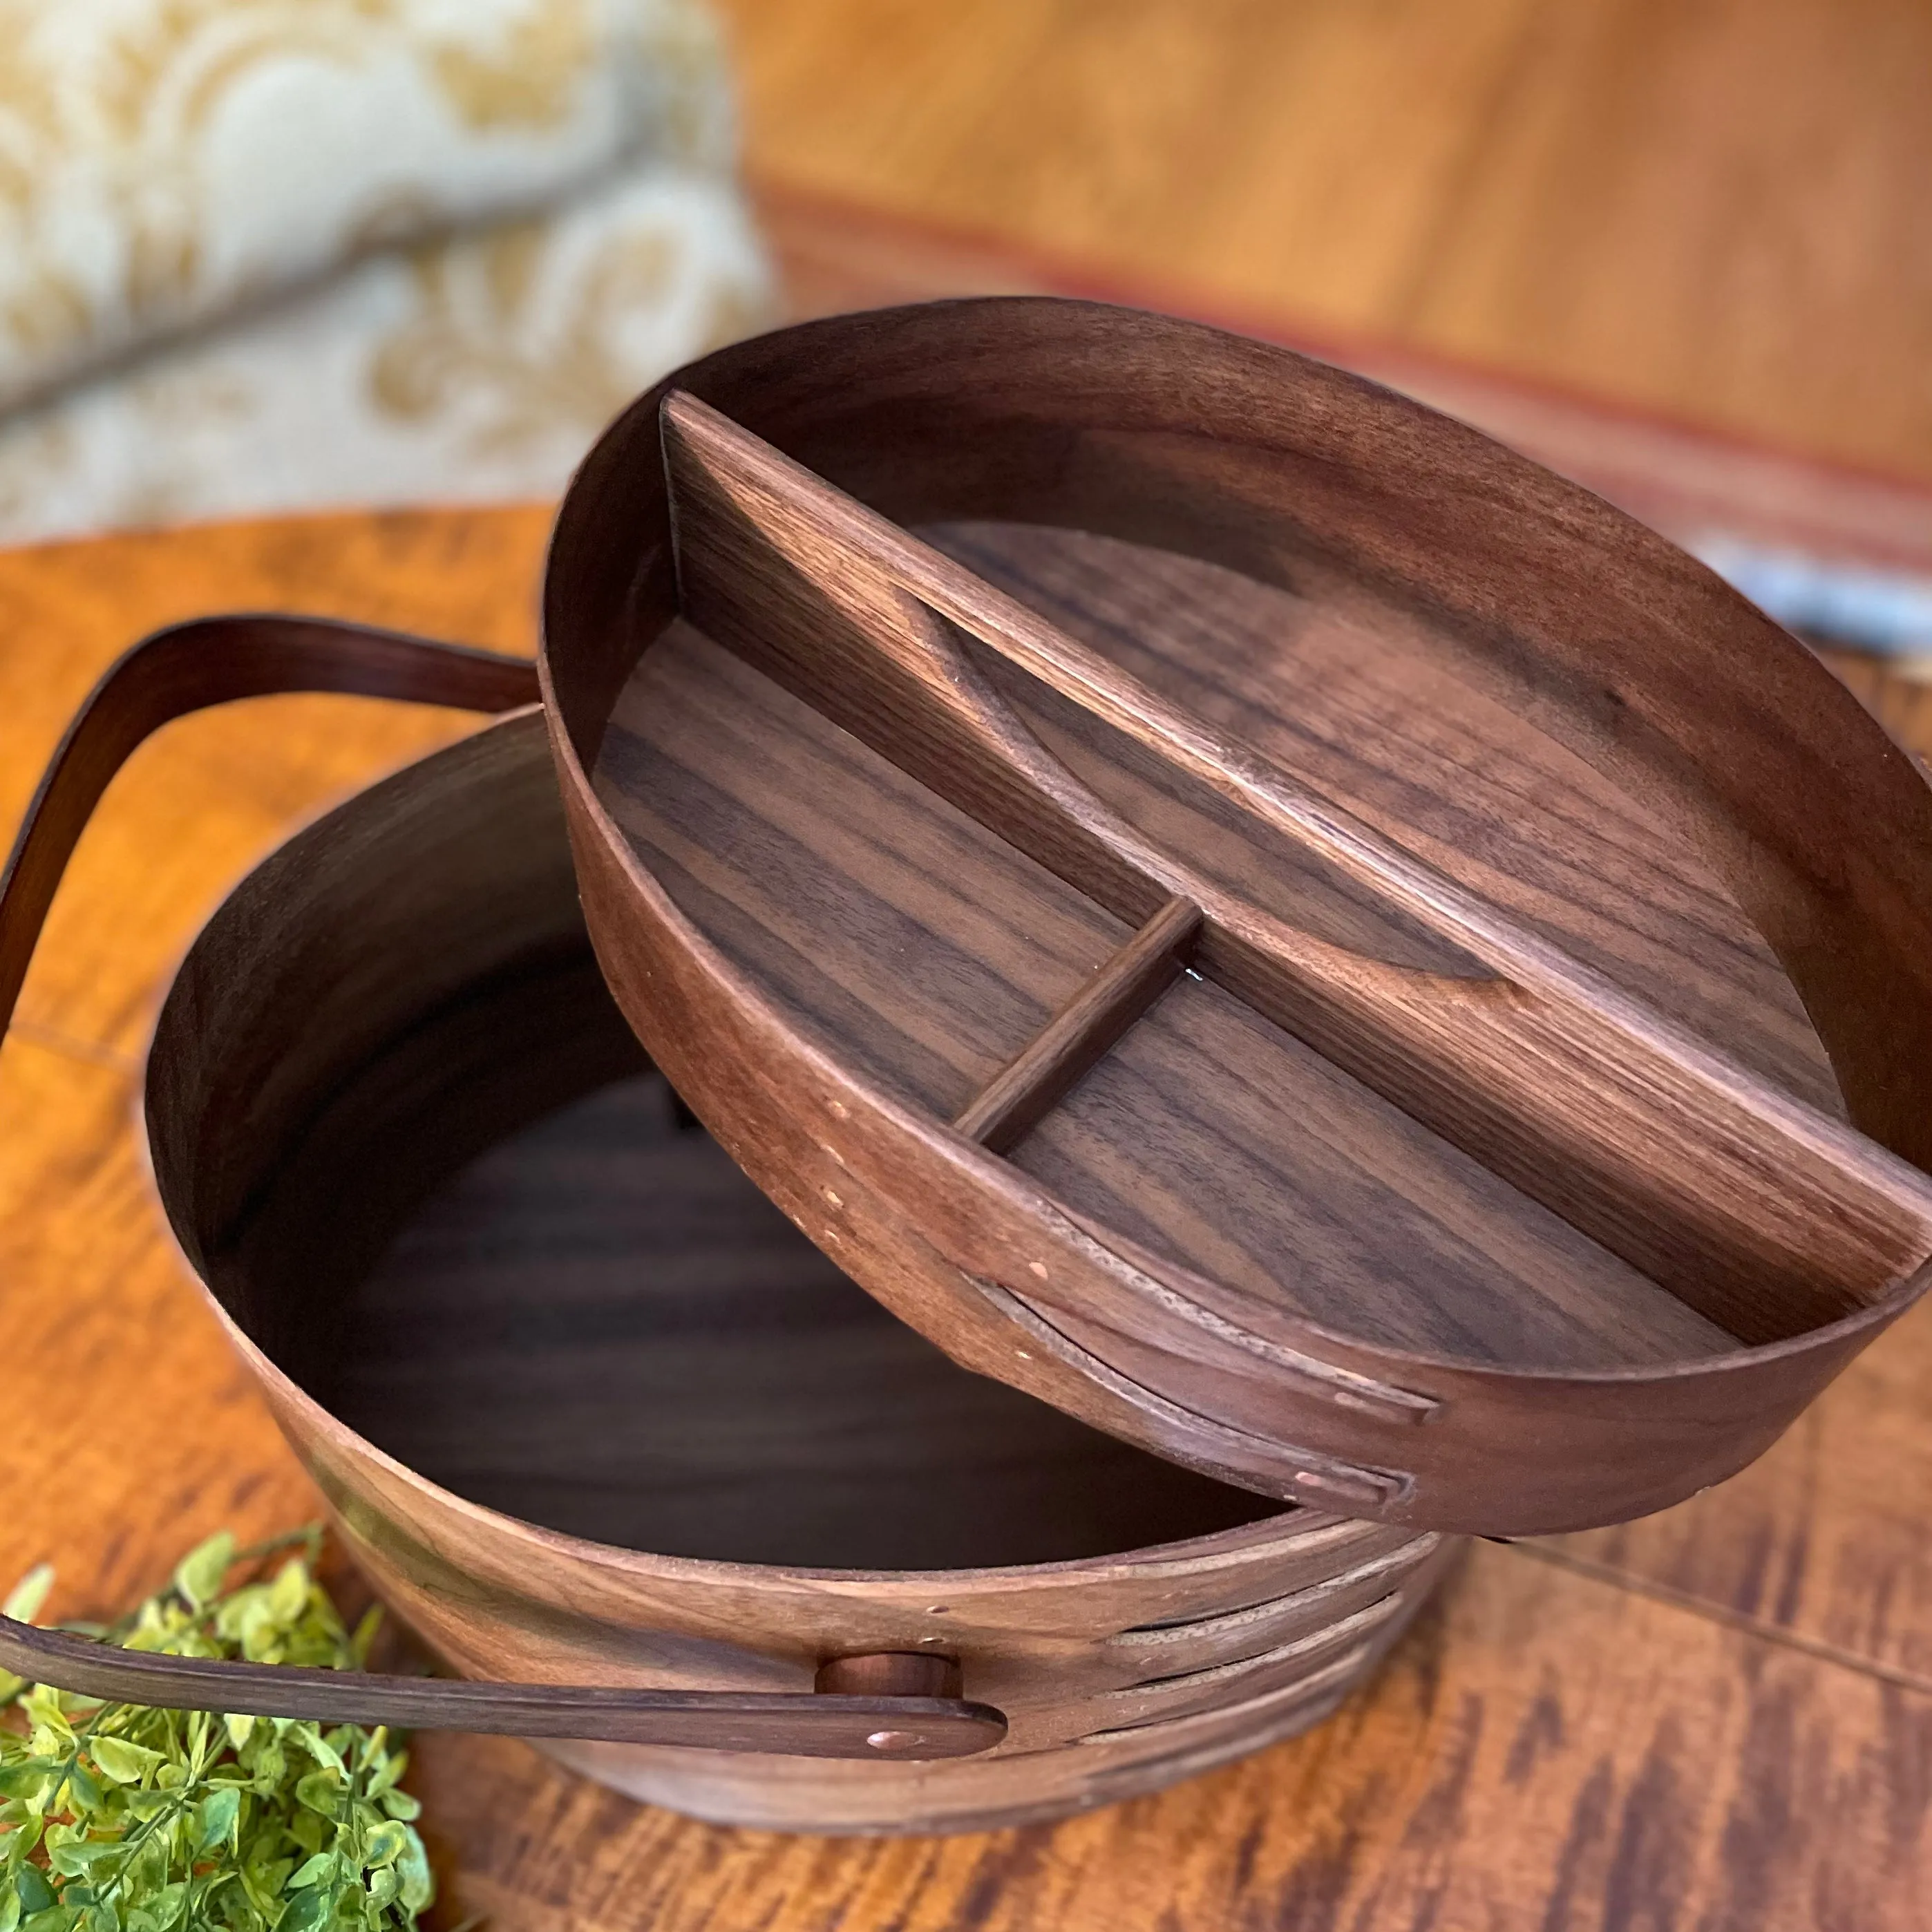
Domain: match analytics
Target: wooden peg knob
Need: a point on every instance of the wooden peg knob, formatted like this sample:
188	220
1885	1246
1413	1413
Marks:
889	1673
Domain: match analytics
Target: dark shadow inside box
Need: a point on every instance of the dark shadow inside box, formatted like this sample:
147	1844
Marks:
600	1325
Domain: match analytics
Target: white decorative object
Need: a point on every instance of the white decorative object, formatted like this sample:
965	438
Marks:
267	254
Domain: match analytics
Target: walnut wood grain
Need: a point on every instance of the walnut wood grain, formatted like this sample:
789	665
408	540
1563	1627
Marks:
1595	633
1080	1034
572	1329
890	1721
1569	1089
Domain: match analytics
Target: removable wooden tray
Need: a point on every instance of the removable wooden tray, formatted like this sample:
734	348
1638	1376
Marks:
1237	905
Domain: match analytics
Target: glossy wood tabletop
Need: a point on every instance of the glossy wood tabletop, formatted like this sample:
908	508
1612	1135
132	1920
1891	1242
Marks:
1721	1717
1715	210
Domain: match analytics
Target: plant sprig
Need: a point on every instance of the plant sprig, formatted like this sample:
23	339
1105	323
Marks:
118	1818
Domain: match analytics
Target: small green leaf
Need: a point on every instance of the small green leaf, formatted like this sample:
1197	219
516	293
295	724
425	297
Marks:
199	1575
270	1767
400	1804
74	1857
265	1883
319	1747
369	1622
312	1871
385	1844
288	1594
168	1905
9	1909
35	1894
307	1911
42	1707
125	1763
238	1728
145	1803
419	1885
216	1816
320	1791
24	1600
81	1784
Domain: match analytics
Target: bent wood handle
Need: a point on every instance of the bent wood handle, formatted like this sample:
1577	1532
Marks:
216	661
190	668
803	1723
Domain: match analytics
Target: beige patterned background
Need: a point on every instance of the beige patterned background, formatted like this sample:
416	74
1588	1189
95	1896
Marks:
260	254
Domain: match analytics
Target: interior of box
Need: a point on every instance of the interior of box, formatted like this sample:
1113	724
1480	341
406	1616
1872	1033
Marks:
600	1325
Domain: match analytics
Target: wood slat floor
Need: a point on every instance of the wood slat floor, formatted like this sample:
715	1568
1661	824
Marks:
1714	210
1720	1717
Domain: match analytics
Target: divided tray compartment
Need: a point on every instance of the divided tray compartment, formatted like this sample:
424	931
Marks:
1072	1023
588	1410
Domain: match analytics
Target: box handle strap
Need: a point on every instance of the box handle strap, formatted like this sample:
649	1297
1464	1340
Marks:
895	1709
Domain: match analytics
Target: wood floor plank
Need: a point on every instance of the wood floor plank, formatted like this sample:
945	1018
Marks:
1824	1536
211	793
133	1431
1140	132
1715	210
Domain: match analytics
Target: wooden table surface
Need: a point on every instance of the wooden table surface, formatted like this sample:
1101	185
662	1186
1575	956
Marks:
1719	1718
1716	208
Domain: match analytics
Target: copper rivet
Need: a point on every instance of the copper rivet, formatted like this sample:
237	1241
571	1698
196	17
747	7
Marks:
894	1740
1038	1268
833	1198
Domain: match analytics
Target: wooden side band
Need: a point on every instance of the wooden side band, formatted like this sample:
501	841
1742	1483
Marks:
1765	1215
1025	1090
805	1723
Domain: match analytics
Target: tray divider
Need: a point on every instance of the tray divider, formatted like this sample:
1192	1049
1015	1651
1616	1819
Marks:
1083	1030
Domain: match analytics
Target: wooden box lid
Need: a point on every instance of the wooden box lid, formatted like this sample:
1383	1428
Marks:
1234	903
